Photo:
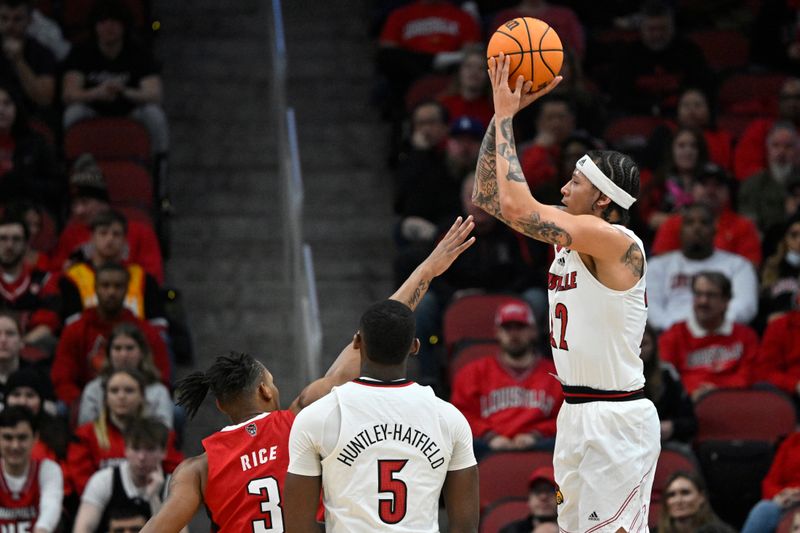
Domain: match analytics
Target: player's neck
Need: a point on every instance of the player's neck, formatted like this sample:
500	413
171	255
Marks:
383	372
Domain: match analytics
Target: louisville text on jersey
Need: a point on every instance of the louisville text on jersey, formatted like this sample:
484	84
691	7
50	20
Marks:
397	432
562	283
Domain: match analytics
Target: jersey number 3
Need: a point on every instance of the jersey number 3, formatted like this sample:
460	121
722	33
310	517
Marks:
271	505
392	510
560	312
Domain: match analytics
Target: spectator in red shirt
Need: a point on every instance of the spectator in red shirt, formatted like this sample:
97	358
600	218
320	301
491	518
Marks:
735	233
779	357
82	349
25	289
470	95
90	198
750	154
707	350
419	38
780	490
510	398
101	443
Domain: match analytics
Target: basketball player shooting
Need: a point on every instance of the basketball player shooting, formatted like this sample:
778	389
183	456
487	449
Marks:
607	440
240	477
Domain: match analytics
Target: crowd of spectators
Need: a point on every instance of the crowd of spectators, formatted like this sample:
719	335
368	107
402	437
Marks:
706	98
88	428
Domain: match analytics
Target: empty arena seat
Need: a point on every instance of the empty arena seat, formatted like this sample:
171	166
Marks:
751	94
426	88
108	138
471	318
733	414
468	354
631	132
503	513
672	459
506	474
723	49
129	184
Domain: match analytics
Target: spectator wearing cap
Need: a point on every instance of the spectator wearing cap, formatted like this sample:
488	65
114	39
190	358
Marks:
734	233
769	197
542	503
27	387
555	122
669	275
708	350
509	396
89	199
427	177
113	76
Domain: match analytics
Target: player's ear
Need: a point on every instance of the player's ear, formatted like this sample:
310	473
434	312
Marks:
357	340
265	391
415	346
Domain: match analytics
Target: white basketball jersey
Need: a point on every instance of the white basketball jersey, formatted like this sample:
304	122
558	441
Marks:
595	332
395	446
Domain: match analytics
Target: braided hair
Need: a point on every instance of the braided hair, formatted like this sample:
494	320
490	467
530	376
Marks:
623	171
230	377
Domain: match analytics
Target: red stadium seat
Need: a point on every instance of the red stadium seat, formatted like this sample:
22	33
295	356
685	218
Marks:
734	124
503	513
129	184
468	354
751	94
108	138
136	213
754	415
671	460
471	318
505	474
632	132
427	88
655	510
44	130
723	49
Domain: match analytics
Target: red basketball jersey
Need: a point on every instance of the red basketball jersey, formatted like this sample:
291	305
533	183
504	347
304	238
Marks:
19	511
247	465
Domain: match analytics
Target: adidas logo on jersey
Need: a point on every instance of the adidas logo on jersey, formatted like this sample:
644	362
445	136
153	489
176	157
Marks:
594	516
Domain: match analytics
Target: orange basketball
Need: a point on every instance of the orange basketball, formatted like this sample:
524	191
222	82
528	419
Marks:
534	47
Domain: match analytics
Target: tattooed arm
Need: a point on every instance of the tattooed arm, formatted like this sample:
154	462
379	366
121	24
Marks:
484	192
587	234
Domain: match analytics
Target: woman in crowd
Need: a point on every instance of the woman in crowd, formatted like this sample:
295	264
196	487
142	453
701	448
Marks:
780	276
669	188
686	507
101	442
128	349
469	94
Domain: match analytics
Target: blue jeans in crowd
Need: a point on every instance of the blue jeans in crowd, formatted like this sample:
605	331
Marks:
763	518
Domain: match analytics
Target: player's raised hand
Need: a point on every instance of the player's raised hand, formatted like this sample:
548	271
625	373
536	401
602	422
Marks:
450	247
507	102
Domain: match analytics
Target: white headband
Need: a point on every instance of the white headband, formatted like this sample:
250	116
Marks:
602	182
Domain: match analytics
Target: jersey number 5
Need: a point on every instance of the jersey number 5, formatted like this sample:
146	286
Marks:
271	505
392	510
560	312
